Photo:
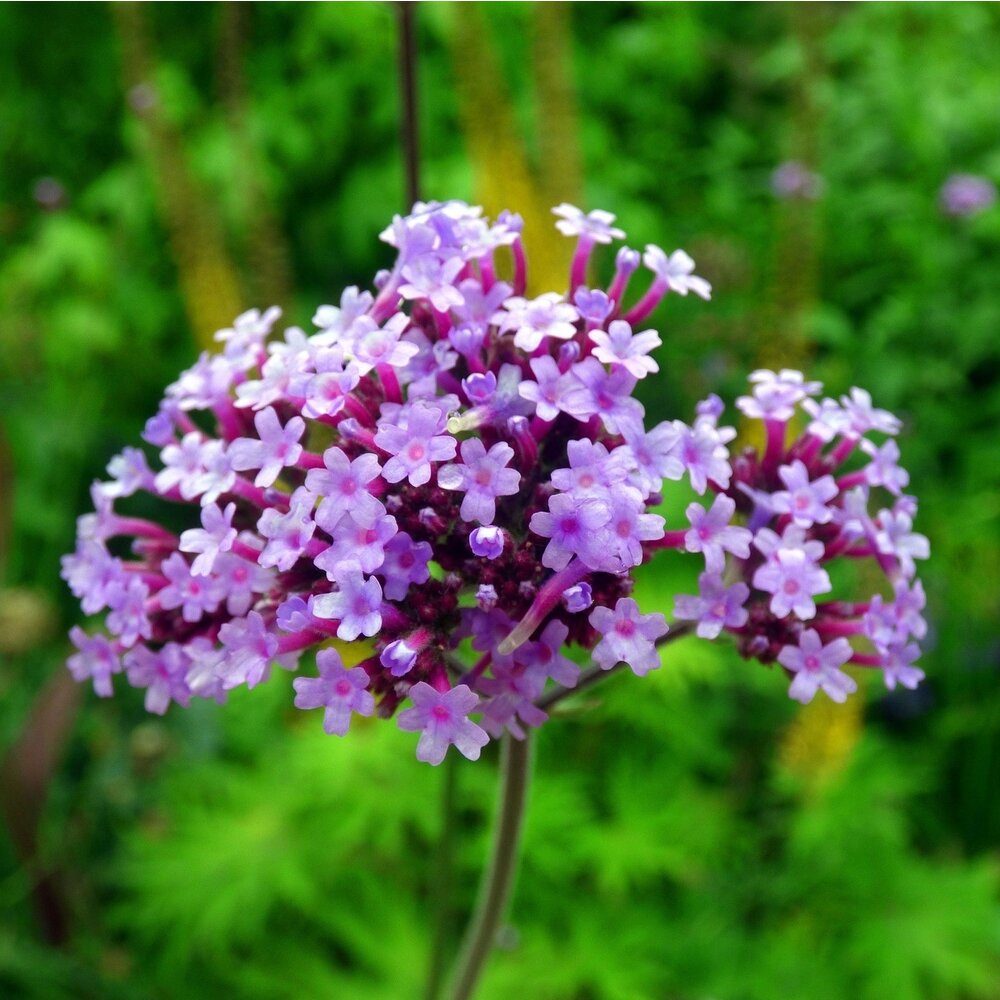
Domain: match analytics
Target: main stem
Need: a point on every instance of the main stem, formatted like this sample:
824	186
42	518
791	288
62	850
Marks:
409	129
441	901
515	763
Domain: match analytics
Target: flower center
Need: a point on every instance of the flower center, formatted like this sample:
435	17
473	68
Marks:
569	525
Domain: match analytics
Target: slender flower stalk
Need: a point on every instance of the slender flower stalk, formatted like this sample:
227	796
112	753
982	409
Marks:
498	877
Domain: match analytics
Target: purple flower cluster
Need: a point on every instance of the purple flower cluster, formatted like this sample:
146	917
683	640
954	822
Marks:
767	579
455	472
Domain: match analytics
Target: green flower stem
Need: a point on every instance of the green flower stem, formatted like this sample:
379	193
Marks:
494	893
409	127
443	880
515	765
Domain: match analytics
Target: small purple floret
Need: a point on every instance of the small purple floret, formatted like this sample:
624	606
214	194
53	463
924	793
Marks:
628	637
442	720
338	691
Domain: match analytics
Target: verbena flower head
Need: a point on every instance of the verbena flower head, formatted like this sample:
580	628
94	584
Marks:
458	476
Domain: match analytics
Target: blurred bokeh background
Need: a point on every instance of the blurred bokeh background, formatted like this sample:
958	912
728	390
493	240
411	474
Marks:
694	835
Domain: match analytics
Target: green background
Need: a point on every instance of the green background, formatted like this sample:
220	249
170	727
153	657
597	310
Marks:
692	835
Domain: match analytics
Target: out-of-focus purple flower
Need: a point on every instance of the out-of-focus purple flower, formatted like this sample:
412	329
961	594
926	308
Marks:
895	539
293	615
429	277
49	193
794	181
703	454
884	469
128	618
966	194
287	533
487	597
129	472
250	649
897	666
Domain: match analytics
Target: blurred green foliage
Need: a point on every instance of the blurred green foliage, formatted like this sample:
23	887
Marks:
688	835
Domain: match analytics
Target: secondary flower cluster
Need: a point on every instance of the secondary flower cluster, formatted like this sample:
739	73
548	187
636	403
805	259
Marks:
798	518
449	462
